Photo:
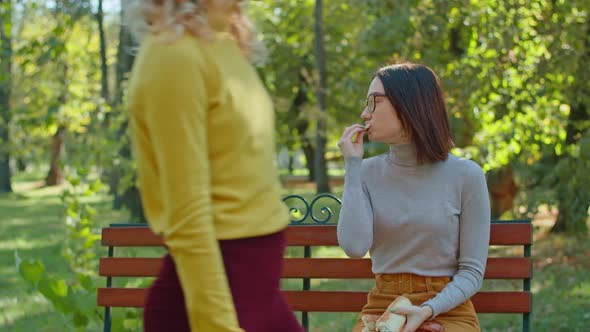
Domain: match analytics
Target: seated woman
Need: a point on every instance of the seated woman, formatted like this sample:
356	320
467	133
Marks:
423	213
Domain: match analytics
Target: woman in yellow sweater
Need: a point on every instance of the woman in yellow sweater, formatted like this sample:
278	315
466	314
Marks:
203	128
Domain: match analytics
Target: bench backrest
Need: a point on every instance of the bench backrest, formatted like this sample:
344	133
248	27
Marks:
503	233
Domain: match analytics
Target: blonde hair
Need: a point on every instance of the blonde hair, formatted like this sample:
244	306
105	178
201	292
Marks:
173	18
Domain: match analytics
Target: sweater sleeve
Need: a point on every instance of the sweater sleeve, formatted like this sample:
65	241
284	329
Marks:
175	116
474	237
355	224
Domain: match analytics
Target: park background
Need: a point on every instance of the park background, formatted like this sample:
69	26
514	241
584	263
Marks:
516	74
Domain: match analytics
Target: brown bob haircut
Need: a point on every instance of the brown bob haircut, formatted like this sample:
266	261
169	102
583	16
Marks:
415	92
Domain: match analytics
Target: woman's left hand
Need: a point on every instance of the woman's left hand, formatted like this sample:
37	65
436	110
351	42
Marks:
415	316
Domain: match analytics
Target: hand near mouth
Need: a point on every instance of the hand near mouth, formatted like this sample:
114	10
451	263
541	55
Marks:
355	136
361	133
351	142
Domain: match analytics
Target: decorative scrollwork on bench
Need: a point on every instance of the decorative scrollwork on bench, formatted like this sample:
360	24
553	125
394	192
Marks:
319	211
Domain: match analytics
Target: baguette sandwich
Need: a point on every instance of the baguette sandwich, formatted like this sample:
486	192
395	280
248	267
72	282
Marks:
391	322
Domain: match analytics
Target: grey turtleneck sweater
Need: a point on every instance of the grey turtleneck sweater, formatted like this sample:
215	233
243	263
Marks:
429	220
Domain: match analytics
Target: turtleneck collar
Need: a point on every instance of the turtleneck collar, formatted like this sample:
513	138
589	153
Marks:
403	154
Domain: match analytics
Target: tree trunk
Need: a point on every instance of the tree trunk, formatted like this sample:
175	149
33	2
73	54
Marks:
309	153
21	164
560	225
5	174
503	190
124	55
455	41
104	82
55	175
322	182
567	221
130	198
291	161
5	94
123	66
302	124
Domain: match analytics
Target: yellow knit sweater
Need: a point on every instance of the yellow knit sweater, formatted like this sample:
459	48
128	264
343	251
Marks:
203	128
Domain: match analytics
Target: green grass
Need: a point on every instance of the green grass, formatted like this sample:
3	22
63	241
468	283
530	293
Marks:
32	223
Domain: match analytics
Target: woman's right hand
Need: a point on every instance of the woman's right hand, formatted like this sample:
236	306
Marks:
351	142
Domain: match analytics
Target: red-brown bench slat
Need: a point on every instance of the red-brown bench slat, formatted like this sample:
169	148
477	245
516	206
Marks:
330	268
511	233
501	234
344	301
508	268
121	297
129	267
502	302
140	236
312	236
333	301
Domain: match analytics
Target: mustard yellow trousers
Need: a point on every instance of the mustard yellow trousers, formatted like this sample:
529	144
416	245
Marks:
417	289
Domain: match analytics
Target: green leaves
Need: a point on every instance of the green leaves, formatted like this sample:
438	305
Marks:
75	298
54	289
31	271
511	73
87	282
95	187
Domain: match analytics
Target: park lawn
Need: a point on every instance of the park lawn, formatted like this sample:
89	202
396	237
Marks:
32	222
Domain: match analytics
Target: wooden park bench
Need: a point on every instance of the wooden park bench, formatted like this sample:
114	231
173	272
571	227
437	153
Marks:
503	233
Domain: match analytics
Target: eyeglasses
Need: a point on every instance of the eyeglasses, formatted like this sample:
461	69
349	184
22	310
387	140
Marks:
370	101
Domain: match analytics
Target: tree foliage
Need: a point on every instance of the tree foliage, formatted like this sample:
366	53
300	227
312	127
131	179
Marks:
516	75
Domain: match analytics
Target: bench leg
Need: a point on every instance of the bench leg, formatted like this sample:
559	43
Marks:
306	286
107	310
305	321
107	319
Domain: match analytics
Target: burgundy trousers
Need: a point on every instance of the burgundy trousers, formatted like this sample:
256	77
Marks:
253	267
